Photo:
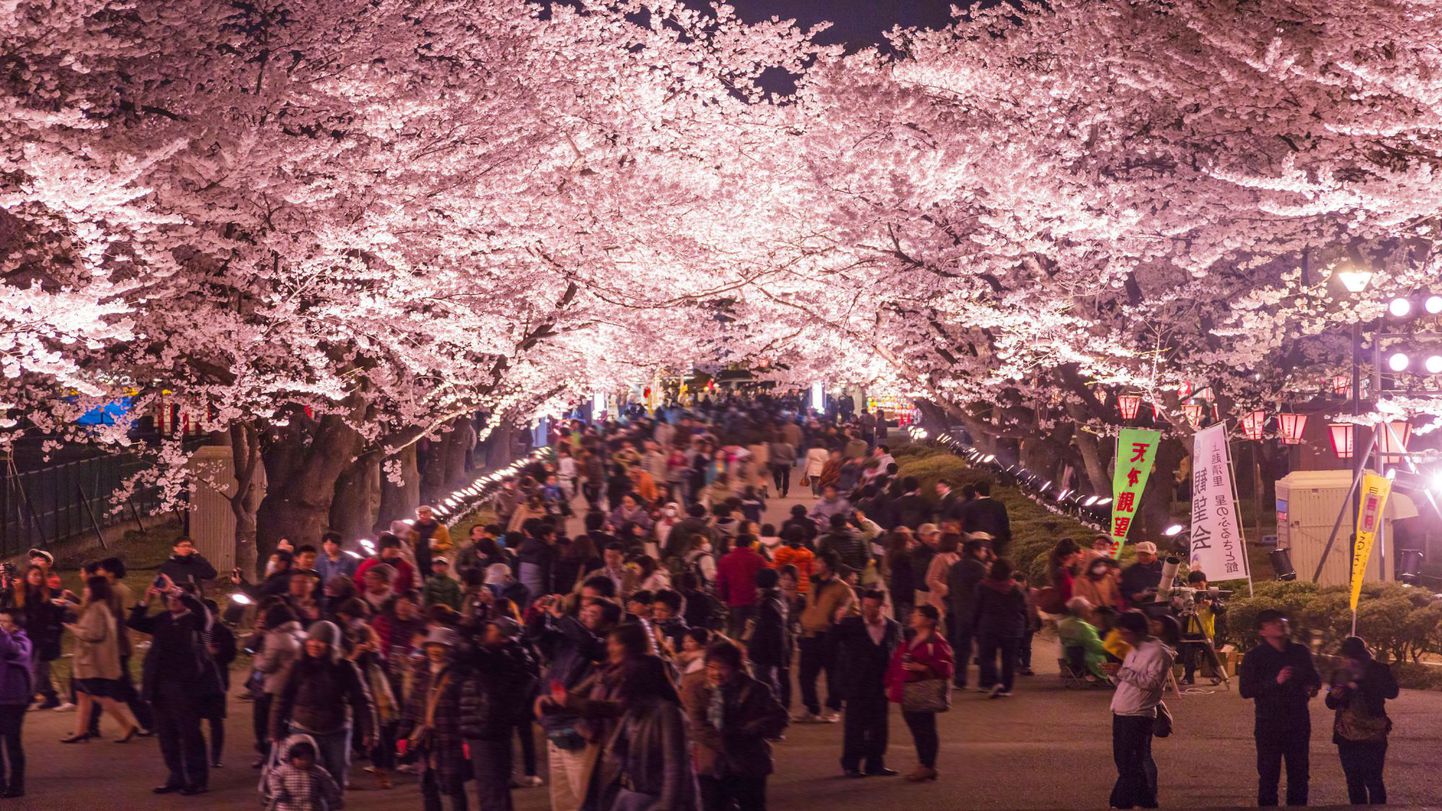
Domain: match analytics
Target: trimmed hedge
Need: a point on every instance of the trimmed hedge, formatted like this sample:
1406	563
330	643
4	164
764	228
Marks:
1401	624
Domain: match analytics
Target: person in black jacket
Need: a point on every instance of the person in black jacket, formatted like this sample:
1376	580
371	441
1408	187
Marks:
800	521
864	646
1000	622
769	647
911	510
186	565
1360	689
495	698
988	515
1279	674
963	580
178	678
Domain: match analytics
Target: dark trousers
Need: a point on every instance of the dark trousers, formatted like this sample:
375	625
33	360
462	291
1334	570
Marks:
923	734
817	654
736	617
1136	771
177	726
526	731
260	722
12	717
431	794
864	734
1192	652
1362	763
961	647
491	763
1023	654
44	683
781	475
1273	746
733	793
383	754
990	647
217	737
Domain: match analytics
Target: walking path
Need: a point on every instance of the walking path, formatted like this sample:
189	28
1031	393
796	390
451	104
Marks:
1046	748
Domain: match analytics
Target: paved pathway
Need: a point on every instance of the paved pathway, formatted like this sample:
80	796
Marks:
1046	748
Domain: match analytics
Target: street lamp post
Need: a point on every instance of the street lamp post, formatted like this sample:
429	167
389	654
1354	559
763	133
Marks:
1356	281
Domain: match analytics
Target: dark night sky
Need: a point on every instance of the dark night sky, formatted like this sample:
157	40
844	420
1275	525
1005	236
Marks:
855	22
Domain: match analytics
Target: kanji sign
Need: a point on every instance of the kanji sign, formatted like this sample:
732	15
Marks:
1136	454
1375	490
1217	547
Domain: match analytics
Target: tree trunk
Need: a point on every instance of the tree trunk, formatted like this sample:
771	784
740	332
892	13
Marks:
303	461
399	500
433	471
498	445
245	451
357	502
1155	514
453	453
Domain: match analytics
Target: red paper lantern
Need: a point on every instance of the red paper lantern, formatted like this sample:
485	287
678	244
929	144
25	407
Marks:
1341	385
1291	427
1193	413
1342	434
1253	424
1129	403
1185	390
1392	440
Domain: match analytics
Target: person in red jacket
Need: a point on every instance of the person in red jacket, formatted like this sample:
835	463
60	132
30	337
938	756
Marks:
389	552
736	582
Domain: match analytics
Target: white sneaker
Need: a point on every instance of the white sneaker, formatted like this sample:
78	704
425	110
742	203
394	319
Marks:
996	691
66	707
831	717
531	781
808	718
1004	694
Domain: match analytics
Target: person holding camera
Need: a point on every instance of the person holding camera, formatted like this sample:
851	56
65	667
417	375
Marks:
17	656
178	677
1280	676
1199	615
1360	688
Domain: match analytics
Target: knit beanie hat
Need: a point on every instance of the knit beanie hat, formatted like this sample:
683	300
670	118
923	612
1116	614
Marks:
324	631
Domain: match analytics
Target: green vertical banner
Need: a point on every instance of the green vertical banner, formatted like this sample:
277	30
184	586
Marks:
1136	455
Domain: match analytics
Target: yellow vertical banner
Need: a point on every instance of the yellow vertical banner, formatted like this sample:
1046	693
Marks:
1375	489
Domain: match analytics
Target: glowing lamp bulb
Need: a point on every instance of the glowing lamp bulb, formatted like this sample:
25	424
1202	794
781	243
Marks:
1433	364
1399	308
1433	305
241	598
1398	362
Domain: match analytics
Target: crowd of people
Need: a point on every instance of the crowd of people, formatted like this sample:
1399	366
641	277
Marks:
631	609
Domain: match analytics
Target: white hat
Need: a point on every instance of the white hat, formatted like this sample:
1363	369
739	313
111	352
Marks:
1146	547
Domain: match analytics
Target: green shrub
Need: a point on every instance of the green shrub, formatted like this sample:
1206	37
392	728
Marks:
1400	624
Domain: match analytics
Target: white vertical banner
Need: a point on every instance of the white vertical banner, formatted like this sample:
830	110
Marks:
1216	540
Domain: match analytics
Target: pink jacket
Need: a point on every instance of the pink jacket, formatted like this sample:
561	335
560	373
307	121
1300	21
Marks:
934	653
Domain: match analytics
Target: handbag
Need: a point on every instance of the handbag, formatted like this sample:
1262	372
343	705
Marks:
1164	723
928	695
1361	727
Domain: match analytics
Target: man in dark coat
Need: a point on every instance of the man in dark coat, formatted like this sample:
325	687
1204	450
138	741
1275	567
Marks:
186	565
961	582
769	648
864	646
988	515
178	678
1280	675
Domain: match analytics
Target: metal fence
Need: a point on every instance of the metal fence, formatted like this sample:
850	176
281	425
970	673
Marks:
43	506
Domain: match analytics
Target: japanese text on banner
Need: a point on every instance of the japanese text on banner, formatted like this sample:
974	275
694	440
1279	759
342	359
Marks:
1217	547
1375	489
1136	454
